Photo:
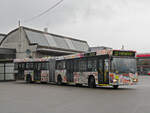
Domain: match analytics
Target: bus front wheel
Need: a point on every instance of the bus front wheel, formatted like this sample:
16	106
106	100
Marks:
59	80
91	82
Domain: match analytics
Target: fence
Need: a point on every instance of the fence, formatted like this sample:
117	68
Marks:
6	71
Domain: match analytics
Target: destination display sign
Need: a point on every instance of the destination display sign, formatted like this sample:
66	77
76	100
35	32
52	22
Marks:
90	54
124	53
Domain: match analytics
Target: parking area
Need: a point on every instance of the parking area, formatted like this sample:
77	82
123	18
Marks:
19	97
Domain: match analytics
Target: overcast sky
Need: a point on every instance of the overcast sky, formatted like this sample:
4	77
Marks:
111	23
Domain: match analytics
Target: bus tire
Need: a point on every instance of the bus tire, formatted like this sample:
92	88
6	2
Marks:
115	86
59	80
91	82
28	79
78	85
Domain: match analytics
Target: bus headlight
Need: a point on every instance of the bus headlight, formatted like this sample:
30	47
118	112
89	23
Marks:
115	81
135	80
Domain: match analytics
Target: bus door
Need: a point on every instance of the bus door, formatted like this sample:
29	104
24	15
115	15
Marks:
103	72
37	71
100	71
106	71
51	68
21	67
69	69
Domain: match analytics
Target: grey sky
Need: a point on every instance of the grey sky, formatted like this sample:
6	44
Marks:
110	23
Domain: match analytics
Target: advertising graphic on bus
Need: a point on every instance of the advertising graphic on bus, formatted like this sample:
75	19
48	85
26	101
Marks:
104	67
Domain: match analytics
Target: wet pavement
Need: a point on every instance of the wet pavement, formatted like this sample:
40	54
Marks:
19	97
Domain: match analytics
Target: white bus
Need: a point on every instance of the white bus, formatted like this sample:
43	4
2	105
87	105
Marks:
101	68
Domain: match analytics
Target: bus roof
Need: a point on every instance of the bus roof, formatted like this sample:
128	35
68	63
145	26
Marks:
144	55
126	53
32	59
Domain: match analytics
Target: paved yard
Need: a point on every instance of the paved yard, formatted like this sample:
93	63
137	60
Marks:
19	97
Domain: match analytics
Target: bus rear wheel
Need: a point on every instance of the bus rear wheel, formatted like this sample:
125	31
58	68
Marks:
91	82
59	80
115	86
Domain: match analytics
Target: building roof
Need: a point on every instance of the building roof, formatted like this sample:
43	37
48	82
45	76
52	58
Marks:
92	49
143	55
55	41
2	36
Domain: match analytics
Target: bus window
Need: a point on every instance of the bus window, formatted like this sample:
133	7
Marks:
35	66
47	65
16	66
44	65
64	66
76	65
106	64
27	66
69	65
39	66
31	66
19	66
100	66
83	65
60	65
23	66
92	65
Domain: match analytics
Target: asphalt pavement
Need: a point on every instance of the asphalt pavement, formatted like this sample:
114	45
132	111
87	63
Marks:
19	97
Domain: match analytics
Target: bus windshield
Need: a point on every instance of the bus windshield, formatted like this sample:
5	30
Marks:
123	65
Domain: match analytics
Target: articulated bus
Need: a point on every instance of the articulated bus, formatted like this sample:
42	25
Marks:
101	68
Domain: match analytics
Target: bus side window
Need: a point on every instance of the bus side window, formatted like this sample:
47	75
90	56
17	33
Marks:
72	66
39	66
16	66
23	66
76	65
60	65
46	65
64	65
106	64
92	64
100	67
27	66
43	65
82	65
19	66
36	66
31	66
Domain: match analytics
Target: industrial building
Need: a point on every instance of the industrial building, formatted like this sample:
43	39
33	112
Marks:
24	42
33	43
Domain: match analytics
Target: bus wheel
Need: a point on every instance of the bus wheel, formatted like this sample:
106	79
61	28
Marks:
91	82
78	85
28	79
115	86
59	80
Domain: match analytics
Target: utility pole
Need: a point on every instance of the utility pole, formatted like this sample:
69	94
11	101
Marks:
19	24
